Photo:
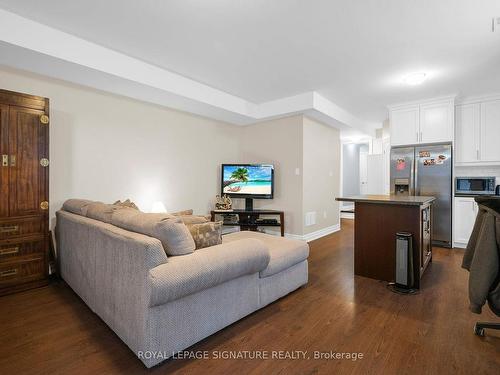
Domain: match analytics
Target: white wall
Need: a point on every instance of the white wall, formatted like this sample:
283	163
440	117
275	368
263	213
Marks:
278	142
350	169
321	174
107	147
306	155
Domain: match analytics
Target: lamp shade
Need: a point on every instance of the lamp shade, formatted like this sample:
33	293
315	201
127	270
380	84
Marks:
158	207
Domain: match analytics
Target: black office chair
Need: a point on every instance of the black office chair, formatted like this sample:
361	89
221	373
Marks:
479	327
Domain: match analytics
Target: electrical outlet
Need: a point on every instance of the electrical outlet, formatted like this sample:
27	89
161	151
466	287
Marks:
310	218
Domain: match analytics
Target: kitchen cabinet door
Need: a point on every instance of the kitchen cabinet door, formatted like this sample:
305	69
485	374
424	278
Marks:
404	125
436	122
490	131
465	216
467	133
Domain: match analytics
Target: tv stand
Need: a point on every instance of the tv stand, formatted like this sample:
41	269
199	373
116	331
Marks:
249	219
249	204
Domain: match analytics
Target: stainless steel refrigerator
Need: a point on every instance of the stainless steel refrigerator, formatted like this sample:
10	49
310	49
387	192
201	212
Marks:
426	170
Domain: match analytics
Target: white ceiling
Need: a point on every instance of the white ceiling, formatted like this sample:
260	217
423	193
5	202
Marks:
353	53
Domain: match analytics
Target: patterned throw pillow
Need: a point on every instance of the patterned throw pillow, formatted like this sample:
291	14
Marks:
206	234
128	203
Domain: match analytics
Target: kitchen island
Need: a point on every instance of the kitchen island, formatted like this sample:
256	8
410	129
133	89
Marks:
377	219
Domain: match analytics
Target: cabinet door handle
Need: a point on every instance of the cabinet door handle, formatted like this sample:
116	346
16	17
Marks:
477	154
5	160
6	273
12	160
417	137
10	250
9	229
420	136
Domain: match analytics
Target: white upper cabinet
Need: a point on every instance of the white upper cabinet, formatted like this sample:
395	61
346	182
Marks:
478	133
490	131
430	121
404	125
467	132
436	122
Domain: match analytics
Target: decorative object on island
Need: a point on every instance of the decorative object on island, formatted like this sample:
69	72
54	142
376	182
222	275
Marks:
24	191
251	220
223	203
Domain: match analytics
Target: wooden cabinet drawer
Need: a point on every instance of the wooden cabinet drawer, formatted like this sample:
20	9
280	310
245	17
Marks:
21	227
21	248
23	271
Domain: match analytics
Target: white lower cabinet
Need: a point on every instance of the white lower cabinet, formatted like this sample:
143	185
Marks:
464	217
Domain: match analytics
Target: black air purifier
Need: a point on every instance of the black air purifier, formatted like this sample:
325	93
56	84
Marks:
405	278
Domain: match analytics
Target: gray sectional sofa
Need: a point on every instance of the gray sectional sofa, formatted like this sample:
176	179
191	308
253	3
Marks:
158	304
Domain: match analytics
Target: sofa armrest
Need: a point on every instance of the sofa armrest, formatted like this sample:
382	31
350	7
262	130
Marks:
206	268
108	268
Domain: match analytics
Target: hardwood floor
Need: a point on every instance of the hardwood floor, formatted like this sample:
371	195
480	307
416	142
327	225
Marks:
50	330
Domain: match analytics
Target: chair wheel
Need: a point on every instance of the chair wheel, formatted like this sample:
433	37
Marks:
478	331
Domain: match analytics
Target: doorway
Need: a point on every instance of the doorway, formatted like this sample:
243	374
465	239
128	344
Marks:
363	170
354	173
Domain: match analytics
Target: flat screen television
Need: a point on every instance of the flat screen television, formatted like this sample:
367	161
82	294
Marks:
248	181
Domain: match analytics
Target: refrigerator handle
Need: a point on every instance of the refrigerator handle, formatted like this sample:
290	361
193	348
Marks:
415	175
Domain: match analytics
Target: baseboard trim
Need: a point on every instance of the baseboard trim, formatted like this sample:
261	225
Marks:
287	235
346	215
309	236
459	245
321	233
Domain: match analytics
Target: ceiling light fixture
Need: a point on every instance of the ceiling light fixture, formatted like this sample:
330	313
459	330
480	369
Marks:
414	79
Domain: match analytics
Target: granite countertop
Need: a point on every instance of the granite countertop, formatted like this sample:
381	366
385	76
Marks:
412	200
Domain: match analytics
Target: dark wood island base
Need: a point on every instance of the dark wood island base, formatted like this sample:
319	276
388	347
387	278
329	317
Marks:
377	220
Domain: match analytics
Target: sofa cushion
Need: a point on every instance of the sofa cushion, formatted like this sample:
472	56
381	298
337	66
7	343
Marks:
193	219
77	206
206	234
284	252
101	211
170	230
183	213
206	268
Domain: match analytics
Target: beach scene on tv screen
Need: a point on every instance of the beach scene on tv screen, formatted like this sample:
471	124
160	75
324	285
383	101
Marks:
247	179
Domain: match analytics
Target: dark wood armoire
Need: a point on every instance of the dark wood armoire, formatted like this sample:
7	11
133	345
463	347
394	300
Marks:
24	191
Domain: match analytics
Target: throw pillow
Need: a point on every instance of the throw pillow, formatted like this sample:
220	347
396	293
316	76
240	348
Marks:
170	230
193	219
183	213
101	211
77	206
206	234
128	203
175	236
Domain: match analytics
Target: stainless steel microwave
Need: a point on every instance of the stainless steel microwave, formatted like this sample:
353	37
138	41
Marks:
475	186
